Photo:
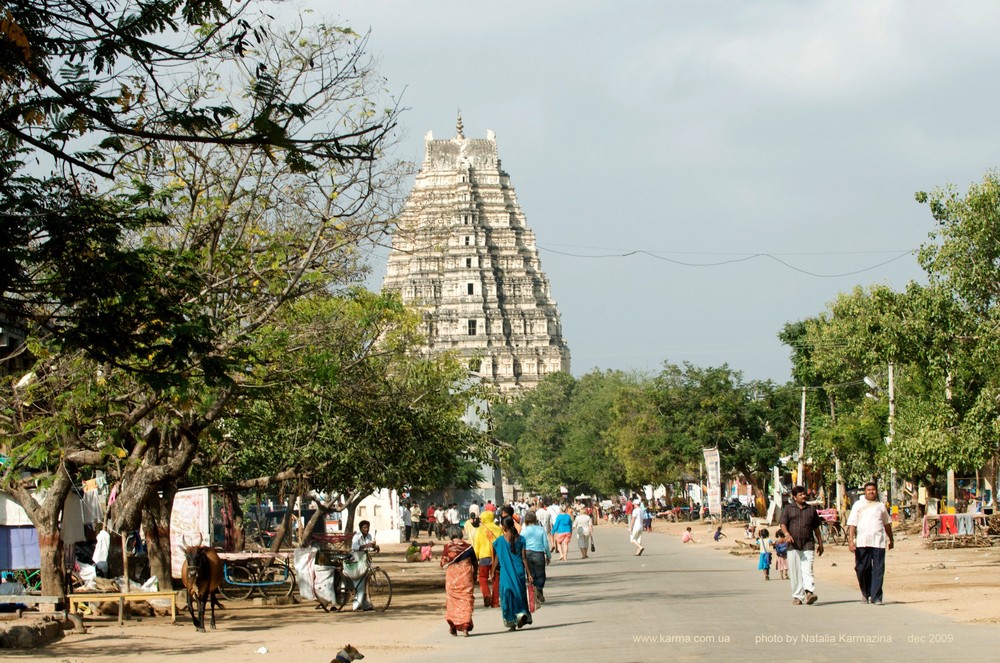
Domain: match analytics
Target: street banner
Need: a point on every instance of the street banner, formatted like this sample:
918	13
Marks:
714	481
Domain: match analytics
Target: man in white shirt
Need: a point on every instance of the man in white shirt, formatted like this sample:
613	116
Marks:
407	521
544	517
101	550
869	534
363	542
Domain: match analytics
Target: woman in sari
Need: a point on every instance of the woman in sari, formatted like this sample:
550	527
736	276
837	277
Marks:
487	533
459	582
511	564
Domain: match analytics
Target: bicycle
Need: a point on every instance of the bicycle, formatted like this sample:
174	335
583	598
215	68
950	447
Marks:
263	573
378	588
833	532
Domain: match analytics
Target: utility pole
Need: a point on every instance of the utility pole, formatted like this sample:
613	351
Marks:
802	440
893	490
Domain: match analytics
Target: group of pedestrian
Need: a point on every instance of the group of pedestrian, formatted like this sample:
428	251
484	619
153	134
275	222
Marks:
800	541
436	520
506	553
509	559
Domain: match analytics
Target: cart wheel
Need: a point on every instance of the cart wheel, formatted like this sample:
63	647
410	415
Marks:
379	589
282	577
237	583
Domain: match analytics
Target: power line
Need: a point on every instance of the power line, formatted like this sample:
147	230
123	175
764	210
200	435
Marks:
742	258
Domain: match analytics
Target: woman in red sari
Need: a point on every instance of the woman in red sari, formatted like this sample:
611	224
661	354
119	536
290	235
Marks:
461	572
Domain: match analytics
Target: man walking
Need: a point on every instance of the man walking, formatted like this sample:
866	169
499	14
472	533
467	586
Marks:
406	518
800	523
869	534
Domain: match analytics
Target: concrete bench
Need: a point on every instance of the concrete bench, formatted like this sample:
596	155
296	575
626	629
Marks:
76	599
31	600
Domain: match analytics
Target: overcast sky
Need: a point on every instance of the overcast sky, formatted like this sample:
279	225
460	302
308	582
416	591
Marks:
703	132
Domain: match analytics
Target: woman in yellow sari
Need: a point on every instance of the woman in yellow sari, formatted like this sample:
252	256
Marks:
488	533
459	582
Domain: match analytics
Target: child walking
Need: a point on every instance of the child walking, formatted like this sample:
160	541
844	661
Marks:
781	550
764	561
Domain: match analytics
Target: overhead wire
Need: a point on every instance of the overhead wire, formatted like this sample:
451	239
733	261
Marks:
742	258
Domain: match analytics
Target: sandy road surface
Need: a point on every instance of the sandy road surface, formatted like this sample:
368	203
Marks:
961	584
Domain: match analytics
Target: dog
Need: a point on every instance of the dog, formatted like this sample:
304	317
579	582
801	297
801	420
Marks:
348	654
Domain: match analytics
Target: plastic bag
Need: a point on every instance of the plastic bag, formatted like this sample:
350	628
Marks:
326	578
304	560
356	567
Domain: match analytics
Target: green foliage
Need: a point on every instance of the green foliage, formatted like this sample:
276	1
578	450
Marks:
942	339
534	427
85	78
345	404
610	430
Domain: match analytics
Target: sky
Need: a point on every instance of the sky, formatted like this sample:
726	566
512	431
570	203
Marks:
753	159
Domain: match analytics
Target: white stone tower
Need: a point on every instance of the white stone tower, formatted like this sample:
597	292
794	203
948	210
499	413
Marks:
464	255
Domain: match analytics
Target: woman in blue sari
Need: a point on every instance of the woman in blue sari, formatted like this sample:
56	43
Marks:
511	562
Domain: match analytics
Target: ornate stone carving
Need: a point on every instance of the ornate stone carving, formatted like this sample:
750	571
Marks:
464	255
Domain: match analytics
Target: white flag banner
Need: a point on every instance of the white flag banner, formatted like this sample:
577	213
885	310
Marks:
714	481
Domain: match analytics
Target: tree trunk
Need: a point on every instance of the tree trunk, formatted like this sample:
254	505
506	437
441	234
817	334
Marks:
352	506
162	457
52	552
156	527
323	509
47	519
279	537
232	521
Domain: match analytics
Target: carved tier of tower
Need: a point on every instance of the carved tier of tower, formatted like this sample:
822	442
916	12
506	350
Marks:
464	255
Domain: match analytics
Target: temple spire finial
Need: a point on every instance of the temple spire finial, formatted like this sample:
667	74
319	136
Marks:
459	126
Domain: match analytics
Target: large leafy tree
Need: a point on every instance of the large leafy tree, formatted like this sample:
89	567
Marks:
347	406
534	428
164	277
749	422
588	458
941	338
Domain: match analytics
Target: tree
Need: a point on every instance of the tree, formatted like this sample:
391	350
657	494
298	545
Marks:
645	441
588	454
534	428
88	83
210	237
349	407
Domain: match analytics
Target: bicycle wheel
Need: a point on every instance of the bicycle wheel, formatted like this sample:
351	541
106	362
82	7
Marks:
237	583
379	589
343	590
277	579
